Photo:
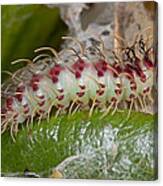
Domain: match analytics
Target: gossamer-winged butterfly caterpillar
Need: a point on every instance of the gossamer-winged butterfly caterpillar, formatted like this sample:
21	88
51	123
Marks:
81	78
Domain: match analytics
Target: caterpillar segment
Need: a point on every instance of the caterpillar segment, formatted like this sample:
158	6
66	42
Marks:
87	79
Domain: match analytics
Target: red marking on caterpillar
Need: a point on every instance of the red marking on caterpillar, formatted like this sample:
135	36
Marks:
9	103
78	84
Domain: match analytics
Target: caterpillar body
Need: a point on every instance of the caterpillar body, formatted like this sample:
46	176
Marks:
79	78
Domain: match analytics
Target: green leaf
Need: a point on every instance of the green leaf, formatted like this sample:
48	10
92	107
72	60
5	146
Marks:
82	147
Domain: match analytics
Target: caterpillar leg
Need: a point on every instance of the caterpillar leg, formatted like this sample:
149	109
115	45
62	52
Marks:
27	123
145	104
4	125
33	113
58	112
115	108
92	107
40	118
16	128
136	105
48	115
71	107
12	132
49	111
140	102
107	110
32	117
130	109
75	110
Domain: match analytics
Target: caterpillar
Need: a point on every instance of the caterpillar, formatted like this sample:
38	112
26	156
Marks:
82	77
